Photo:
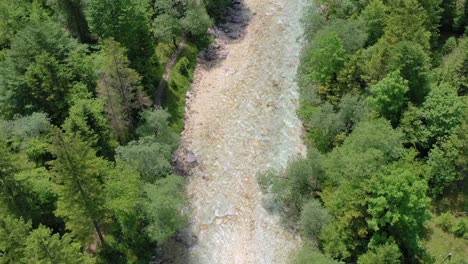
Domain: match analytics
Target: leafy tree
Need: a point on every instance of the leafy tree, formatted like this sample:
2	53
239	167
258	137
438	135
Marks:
398	208
374	17
370	145
454	68
196	20
78	175
385	254
156	123
43	247
313	218
442	165
389	96
150	158
120	88
164	207
413	63
13	235
88	120
324	59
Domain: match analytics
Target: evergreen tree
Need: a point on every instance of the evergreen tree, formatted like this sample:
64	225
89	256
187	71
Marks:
120	88
79	175
13	235
72	12
43	247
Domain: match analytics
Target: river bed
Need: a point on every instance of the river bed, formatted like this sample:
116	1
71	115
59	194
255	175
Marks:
241	120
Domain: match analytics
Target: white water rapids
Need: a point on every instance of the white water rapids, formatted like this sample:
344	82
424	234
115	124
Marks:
242	120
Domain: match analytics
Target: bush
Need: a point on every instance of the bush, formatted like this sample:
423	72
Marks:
460	228
444	221
311	255
313	218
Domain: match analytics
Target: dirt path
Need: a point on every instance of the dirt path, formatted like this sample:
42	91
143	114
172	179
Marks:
167	73
240	120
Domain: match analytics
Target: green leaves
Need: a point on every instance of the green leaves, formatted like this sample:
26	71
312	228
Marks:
165	207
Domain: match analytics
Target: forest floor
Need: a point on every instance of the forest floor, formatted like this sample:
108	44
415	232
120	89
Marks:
240	120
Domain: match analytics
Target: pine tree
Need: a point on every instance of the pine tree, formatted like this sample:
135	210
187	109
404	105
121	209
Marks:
13	235
42	247
120	88
79	176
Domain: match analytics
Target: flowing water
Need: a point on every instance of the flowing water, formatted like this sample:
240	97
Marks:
241	120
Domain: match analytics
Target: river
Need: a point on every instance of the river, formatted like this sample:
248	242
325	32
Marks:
241	120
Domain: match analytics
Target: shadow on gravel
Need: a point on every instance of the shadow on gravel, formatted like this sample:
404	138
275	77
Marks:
231	30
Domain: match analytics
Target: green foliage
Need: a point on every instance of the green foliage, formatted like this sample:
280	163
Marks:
389	96
34	75
120	88
454	68
413	63
442	165
460	229
88	120
370	145
406	21
123	196
313	218
148	156
78	175
13	235
374	17
128	22
156	123
13	16
179	84
164	207
384	254
326	58
445	221
71	14
308	255
43	247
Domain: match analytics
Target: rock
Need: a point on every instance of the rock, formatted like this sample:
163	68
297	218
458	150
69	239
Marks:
184	161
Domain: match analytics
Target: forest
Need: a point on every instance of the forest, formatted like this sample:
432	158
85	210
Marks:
383	86
85	155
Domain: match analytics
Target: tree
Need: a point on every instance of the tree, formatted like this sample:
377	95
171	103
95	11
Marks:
373	16
384	254
196	20
156	123
43	247
13	235
454	68
389	96
88	120
123	197
413	63
41	48
78	175
120	88
406	22
150	158
398	208
164	207
313	218
127	21
13	16
442	165
48	82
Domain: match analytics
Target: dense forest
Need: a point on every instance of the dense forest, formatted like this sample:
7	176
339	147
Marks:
85	156
384	103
